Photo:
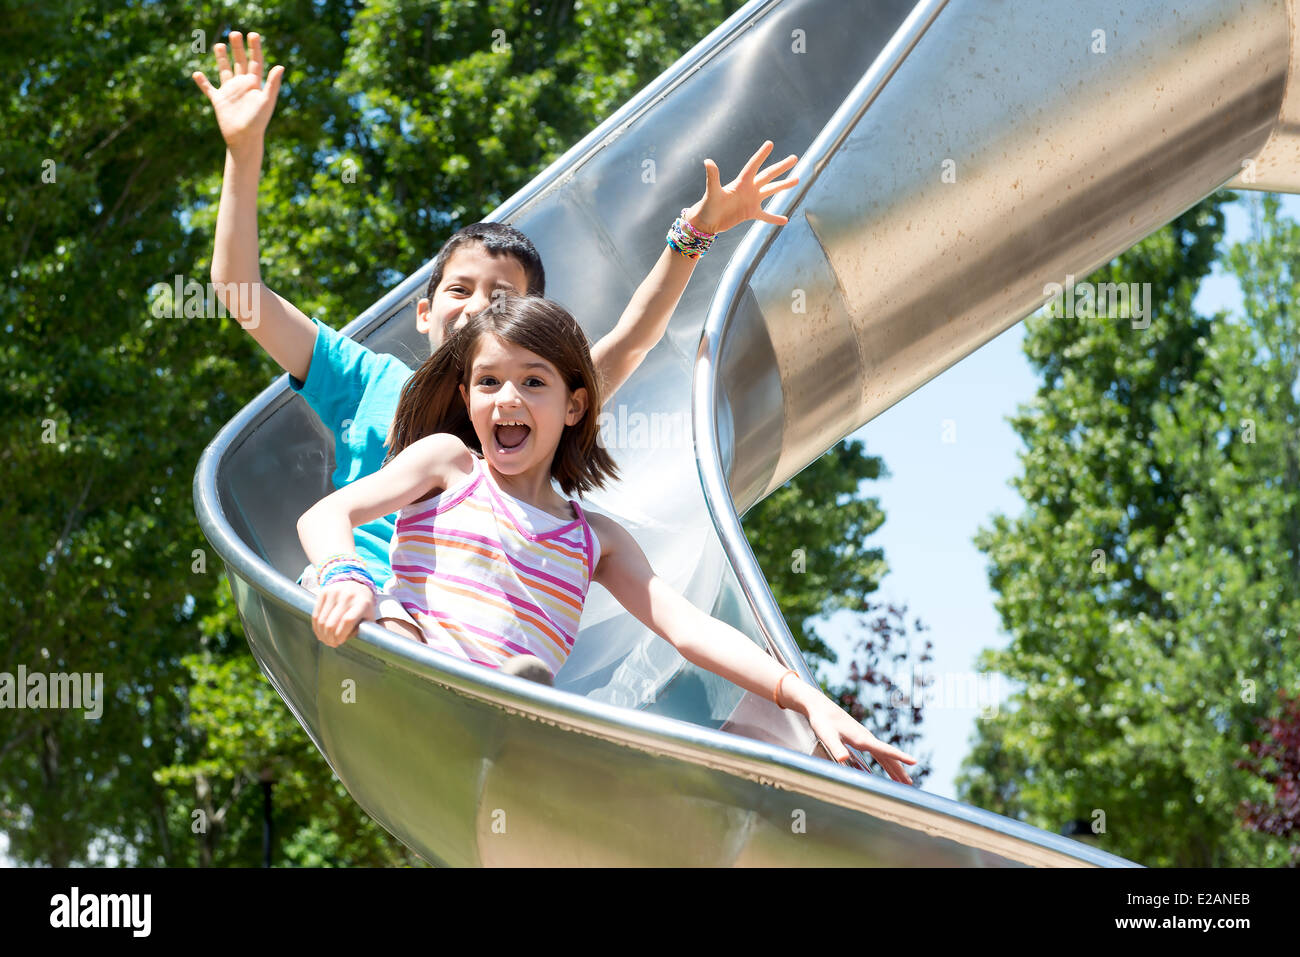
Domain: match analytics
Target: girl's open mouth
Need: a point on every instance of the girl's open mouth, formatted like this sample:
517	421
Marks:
510	438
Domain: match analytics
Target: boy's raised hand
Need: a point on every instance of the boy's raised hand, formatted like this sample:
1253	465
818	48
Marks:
742	199
243	106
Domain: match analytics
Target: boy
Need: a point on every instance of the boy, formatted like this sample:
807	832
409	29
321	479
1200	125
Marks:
354	390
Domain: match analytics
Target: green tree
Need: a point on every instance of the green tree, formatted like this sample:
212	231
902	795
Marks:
807	537
397	123
1277	762
1151	576
107	407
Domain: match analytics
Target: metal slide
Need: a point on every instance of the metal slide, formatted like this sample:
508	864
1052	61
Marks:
956	158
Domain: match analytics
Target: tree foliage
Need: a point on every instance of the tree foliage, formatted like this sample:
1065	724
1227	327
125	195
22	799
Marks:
808	537
1151	583
1277	762
111	165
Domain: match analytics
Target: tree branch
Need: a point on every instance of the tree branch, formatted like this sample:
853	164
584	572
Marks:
67	526
130	181
111	136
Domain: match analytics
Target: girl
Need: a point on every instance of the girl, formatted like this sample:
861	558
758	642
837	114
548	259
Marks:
489	563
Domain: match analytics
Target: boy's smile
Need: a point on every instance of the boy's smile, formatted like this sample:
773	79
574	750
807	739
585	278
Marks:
519	406
469	280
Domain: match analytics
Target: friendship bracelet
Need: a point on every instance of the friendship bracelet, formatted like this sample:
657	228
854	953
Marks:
338	566
776	694
682	235
687	240
327	575
351	577
341	568
698	232
344	568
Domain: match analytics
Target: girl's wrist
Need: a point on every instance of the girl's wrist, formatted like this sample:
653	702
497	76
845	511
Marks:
695	216
798	695
246	152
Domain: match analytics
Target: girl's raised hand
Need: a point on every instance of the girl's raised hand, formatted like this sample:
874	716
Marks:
242	105
340	608
836	728
742	199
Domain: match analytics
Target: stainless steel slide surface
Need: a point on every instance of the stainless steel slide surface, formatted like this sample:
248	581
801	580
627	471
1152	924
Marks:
637	757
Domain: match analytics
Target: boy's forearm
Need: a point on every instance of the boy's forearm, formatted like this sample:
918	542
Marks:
721	649
234	254
287	335
645	319
652	305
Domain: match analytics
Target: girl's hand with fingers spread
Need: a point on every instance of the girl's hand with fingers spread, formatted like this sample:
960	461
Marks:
243	106
742	199
340	608
836	728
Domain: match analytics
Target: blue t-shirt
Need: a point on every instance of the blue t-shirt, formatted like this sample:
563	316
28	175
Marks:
354	391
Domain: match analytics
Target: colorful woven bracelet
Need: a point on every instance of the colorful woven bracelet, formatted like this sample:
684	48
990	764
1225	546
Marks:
684	241
694	230
340	568
687	240
362	578
344	568
343	562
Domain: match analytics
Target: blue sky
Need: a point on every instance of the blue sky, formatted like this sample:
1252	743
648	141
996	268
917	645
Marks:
939	493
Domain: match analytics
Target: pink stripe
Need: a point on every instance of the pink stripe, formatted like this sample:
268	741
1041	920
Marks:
496	546
586	542
520	567
439	640
575	544
492	489
491	636
514	600
410	520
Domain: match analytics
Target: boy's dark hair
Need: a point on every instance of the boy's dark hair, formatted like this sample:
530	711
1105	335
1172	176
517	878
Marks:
431	400
499	240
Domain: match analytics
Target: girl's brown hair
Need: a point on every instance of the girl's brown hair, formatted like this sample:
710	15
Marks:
431	400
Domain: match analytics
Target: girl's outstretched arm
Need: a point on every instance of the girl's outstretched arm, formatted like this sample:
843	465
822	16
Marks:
325	529
717	647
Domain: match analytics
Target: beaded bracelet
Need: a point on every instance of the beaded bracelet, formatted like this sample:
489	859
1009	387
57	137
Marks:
687	240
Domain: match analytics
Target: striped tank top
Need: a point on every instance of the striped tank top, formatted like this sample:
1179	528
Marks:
487	577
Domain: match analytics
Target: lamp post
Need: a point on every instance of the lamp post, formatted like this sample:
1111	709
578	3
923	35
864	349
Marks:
268	782
1080	829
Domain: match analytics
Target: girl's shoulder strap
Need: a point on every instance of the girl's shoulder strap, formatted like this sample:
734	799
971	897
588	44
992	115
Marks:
588	539
461	490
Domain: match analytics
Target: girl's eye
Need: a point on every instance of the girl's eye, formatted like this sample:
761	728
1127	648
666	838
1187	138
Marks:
534	381
487	380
